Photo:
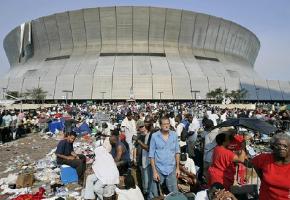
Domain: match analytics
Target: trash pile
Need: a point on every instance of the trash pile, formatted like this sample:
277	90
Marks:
41	179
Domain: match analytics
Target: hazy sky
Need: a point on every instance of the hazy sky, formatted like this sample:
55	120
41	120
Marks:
268	19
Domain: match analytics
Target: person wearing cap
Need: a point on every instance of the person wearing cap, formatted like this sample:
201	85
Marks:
144	143
137	150
187	172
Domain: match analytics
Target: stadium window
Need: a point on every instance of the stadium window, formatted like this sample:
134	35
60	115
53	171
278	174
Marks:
133	54
58	58
206	58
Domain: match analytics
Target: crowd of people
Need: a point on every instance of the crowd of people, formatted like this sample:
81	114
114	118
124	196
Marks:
157	149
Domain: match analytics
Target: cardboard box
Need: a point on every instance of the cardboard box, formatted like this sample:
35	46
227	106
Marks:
25	180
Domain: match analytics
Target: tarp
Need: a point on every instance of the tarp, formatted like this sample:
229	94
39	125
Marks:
83	129
55	125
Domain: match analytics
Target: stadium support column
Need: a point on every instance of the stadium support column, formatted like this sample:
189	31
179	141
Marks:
4	93
195	92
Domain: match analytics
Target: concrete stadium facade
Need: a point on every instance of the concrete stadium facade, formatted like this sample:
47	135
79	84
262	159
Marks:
112	52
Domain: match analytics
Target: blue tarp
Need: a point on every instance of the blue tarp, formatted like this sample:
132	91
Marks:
84	128
52	126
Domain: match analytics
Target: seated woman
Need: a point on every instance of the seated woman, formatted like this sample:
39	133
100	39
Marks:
221	170
131	191
274	169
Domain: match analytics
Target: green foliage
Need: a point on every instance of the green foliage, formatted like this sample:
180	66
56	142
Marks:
11	94
218	94
37	94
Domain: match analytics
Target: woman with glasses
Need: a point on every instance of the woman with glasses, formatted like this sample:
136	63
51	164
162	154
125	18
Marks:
274	169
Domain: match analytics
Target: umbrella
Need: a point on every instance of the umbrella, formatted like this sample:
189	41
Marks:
250	123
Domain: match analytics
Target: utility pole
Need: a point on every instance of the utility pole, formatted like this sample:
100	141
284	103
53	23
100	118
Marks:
195	92
160	93
66	94
103	95
257	92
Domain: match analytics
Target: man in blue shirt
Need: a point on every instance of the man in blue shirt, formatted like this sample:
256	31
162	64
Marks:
66	155
164	158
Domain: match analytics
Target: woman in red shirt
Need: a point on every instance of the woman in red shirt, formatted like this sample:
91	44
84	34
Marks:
221	168
274	169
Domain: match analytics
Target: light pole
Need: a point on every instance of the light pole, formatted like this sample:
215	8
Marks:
160	93
103	94
257	92
195	92
4	92
66	94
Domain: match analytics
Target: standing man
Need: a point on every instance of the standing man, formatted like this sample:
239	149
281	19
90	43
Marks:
144	144
130	129
164	158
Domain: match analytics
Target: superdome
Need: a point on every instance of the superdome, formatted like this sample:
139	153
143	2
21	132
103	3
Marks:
115	52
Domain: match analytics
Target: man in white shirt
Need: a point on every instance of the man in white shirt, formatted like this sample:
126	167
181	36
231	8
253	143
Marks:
192	137
213	117
7	119
179	128
130	129
172	119
224	116
131	191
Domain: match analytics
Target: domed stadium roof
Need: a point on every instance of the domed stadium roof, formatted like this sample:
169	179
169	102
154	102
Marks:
115	52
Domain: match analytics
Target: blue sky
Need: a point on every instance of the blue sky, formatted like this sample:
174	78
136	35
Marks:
268	19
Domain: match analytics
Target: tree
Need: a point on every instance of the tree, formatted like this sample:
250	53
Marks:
11	94
210	94
217	94
37	94
241	93
238	94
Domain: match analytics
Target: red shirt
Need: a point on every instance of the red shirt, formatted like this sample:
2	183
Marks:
220	169
275	181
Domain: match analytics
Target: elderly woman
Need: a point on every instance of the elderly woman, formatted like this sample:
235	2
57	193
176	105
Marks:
274	169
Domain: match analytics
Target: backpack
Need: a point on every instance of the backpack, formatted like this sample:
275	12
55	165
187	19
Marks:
186	124
183	135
